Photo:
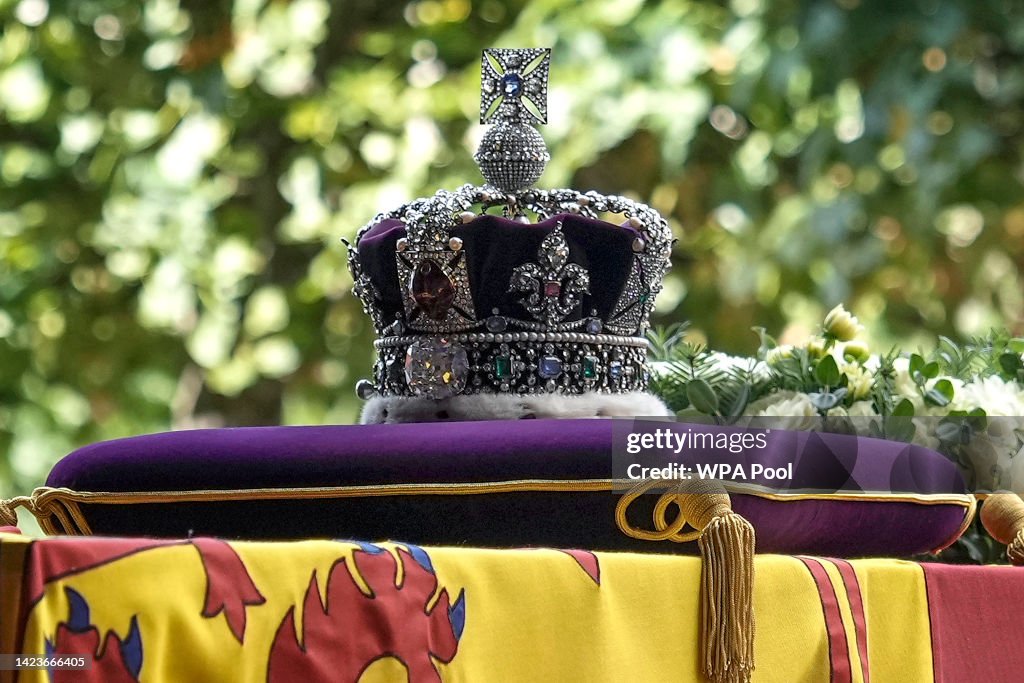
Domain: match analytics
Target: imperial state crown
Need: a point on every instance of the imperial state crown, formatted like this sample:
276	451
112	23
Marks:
534	302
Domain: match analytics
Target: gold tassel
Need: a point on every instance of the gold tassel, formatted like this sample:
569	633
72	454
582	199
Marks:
1003	517
49	508
8	517
726	543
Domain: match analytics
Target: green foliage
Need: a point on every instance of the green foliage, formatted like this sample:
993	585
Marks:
695	381
686	369
176	175
996	353
692	379
688	373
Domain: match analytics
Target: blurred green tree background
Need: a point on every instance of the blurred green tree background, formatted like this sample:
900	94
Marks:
176	175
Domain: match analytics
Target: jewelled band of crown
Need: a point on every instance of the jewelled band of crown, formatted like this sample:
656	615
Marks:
523	363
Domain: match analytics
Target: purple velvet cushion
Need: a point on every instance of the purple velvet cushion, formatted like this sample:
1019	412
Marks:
450	454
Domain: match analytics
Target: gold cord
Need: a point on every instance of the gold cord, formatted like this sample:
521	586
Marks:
726	542
54	509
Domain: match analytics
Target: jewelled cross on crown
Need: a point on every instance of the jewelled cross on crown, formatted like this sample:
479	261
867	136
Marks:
514	85
514	94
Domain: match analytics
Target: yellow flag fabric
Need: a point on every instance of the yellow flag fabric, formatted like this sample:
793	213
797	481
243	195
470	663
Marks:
210	610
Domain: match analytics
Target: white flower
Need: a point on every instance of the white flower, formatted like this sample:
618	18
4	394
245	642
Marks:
859	413
798	410
940	411
723	361
924	433
862	409
905	387
992	394
720	361
815	347
858	380
856	350
990	463
842	325
785	403
1005	430
778	353
660	368
994	455
903	384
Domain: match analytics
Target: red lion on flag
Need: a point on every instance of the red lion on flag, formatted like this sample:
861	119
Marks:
354	627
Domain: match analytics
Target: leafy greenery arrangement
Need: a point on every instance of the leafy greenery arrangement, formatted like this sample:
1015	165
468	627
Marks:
963	400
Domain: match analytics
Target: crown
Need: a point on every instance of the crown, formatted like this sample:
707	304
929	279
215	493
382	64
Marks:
505	288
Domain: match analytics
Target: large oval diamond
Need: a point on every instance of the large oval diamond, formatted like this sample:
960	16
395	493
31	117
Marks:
436	368
432	290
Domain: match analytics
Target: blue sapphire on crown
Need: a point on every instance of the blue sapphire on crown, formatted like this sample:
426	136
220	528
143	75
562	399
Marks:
512	84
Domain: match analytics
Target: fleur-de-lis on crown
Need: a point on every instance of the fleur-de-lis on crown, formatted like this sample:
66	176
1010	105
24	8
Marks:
514	85
553	285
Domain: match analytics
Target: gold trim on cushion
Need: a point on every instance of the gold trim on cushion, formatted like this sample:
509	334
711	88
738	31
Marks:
57	509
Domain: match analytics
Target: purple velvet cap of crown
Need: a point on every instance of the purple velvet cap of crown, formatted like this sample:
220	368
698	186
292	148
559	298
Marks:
494	246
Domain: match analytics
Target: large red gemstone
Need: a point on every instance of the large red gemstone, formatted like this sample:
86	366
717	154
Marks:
432	290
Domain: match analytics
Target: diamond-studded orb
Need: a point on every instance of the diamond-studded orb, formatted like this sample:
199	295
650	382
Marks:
436	368
512	156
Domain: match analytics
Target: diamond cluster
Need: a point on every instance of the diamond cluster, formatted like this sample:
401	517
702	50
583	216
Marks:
512	156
